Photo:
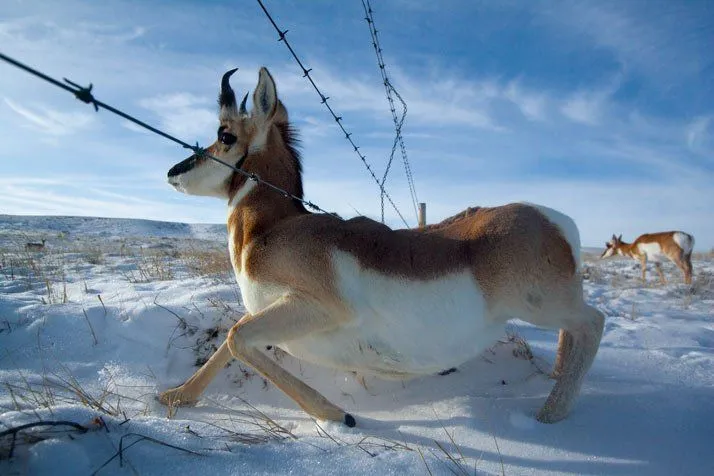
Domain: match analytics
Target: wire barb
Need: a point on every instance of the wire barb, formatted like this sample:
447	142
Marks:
84	94
198	150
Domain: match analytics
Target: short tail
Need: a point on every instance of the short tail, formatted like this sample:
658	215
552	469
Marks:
685	241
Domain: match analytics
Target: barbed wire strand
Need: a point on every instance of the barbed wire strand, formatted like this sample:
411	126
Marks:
323	100
85	95
398	121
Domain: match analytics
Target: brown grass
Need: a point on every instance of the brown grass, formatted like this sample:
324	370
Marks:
45	270
207	262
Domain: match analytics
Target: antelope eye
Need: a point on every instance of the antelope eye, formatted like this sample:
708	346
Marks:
226	138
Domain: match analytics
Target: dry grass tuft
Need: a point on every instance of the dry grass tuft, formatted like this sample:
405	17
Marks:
44	270
151	266
207	262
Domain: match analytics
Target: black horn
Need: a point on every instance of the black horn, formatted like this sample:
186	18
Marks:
242	110
227	97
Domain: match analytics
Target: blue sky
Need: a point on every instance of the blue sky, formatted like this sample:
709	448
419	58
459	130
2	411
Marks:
600	109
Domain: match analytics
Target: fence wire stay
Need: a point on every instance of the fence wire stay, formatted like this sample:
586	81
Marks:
338	119
398	120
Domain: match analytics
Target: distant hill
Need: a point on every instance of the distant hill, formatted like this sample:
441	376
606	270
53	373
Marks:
38	227
110	228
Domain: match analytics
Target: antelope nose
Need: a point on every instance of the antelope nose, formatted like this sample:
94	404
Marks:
182	167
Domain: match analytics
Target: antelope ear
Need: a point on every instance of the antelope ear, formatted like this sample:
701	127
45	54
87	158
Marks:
265	96
619	238
614	238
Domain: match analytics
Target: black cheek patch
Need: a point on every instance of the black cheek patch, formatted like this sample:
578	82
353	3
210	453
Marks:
183	166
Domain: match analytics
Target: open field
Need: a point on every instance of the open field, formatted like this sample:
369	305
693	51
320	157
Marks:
112	311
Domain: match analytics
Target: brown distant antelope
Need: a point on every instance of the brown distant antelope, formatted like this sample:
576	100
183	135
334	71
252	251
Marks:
358	296
677	246
35	246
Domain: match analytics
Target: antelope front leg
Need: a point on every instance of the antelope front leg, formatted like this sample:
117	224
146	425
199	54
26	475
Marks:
643	262
289	318
191	389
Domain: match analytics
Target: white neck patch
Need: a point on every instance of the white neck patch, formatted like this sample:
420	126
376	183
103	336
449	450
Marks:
247	187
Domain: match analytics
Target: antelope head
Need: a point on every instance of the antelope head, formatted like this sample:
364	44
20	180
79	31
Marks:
242	140
612	247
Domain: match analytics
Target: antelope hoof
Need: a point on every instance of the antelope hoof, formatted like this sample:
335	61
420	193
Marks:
332	413
549	415
175	397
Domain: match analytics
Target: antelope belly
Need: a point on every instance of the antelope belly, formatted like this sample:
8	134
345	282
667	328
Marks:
402	326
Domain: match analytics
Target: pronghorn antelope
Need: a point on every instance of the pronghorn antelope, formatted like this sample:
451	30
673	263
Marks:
675	245
35	246
356	295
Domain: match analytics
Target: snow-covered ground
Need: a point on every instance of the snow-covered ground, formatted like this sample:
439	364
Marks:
113	311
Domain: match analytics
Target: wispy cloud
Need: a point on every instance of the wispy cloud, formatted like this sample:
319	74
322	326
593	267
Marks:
486	124
532	105
588	106
50	121
697	133
79	200
438	100
182	114
649	40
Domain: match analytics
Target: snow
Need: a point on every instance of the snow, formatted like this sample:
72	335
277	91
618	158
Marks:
646	407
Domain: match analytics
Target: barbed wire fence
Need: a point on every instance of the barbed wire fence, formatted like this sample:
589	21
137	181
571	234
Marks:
85	95
338	119
390	92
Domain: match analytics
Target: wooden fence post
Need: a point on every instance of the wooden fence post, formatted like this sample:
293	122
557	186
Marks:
422	215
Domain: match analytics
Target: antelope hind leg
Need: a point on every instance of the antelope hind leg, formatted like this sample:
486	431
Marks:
565	346
662	279
576	351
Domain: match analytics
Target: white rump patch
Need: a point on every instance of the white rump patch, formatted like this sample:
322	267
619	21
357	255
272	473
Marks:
567	228
684	241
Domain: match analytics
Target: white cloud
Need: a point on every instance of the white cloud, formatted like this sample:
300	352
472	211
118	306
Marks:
588	106
183	114
697	132
80	199
52	122
584	108
656	41
531	105
438	100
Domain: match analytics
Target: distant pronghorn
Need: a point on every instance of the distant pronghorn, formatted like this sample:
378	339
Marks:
356	295
675	245
35	246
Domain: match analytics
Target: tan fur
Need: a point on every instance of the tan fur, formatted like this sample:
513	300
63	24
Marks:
669	247
522	263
